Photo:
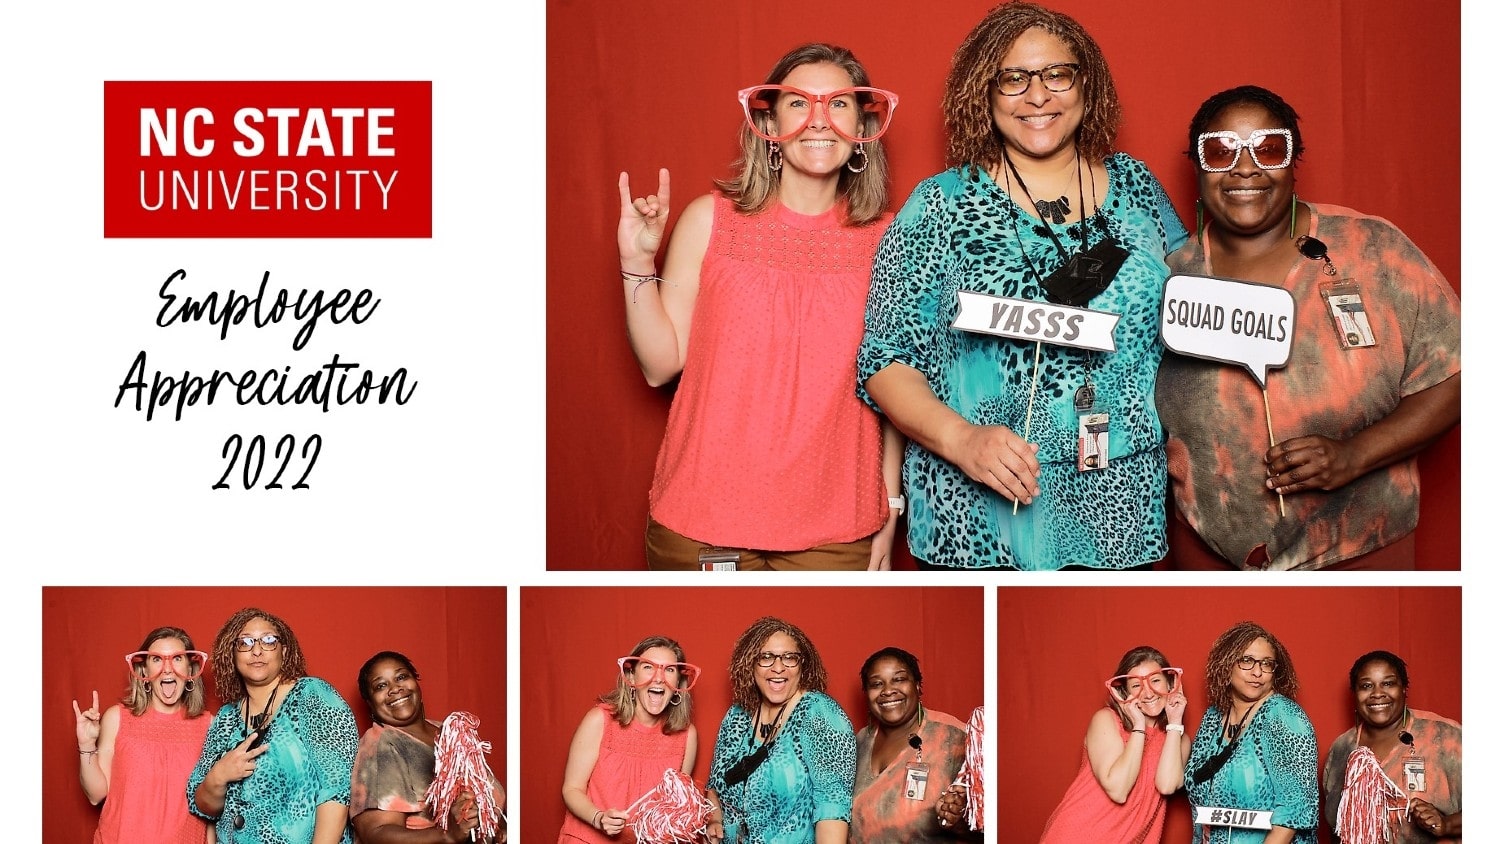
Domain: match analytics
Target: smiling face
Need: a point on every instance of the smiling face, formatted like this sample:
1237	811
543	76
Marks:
1245	200
818	150
1038	123
892	692
1253	683
1148	686
1379	695
394	693
259	665
777	683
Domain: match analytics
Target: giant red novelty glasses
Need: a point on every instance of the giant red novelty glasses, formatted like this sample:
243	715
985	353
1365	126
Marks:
641	672
1129	687
780	112
185	664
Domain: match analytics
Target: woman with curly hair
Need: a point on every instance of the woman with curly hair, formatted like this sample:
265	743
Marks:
783	766
1026	454
628	740
1253	769
138	753
275	766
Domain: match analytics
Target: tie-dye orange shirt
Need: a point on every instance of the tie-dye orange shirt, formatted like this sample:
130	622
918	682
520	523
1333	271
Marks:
883	814
1437	746
1216	419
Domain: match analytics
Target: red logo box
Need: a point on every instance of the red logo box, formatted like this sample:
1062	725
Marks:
268	159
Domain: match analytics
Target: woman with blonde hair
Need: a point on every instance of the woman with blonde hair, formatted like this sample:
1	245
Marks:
139	752
628	740
769	460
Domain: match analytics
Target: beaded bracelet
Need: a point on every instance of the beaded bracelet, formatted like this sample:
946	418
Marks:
639	280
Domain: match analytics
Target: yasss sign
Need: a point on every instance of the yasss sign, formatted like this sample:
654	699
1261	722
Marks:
268	159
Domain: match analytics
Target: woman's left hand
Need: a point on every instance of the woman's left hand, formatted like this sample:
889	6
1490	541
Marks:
951	805
1311	462
1176	706
1426	816
882	544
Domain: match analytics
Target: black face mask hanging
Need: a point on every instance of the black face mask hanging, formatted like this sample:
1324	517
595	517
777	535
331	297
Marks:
1085	274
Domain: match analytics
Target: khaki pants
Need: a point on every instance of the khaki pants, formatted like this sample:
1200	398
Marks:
668	550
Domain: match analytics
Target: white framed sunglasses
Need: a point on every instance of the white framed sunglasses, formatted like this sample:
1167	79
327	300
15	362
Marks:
1270	149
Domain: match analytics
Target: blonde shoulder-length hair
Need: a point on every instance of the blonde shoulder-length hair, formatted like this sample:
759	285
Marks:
754	186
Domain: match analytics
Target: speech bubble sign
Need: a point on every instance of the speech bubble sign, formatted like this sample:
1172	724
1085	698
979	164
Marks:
1024	319
1230	321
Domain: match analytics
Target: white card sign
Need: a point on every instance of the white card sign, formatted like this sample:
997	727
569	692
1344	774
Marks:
1229	321
1240	818
1024	319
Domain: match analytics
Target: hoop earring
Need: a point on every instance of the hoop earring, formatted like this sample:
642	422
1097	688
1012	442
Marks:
675	699
1293	233
1198	203
188	686
773	156
859	151
147	684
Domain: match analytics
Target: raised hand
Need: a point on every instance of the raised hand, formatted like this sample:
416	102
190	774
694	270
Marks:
1176	707
643	222
88	725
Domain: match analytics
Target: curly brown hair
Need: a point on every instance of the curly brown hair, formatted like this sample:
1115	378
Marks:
1227	650
814	677
967	112
755	185
226	678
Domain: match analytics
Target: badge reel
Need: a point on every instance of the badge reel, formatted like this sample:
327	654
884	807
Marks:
916	772
1351	321
718	559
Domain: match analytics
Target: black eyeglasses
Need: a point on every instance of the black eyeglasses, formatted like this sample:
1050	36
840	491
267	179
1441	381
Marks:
790	659
1248	663
268	642
1057	78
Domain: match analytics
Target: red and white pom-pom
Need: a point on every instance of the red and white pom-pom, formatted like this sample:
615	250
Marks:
460	767
971	775
1365	807
674	812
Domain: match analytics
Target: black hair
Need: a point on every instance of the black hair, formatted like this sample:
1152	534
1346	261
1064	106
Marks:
1272	102
1377	656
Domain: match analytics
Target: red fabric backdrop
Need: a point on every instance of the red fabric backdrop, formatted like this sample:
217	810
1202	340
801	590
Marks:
572	637
640	86
454	636
1058	646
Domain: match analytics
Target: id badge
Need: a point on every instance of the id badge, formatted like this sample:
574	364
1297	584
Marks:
1351	320
1416	775
916	780
1093	442
718	559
